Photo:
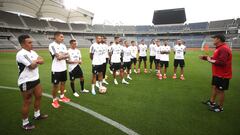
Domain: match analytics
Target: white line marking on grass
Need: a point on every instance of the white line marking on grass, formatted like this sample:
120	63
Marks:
91	112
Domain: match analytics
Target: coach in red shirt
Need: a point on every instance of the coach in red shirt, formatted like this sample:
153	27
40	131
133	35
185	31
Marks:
221	71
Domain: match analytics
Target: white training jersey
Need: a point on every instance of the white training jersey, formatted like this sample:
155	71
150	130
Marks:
116	50
57	65
106	50
134	51
127	54
24	59
152	49
179	51
142	50
98	54
158	52
74	55
164	57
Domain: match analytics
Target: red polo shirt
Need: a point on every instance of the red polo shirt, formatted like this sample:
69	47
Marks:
223	66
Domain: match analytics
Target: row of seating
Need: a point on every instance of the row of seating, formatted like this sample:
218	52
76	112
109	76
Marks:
16	21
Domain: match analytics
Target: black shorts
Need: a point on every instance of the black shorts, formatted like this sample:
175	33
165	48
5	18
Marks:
127	65
59	77
179	62
116	66
29	85
157	61
134	60
221	83
144	58
164	63
76	73
152	58
97	69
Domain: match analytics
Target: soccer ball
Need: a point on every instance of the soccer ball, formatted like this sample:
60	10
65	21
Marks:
102	90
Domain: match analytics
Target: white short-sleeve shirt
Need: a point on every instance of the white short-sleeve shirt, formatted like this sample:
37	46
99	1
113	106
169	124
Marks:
24	59
98	54
142	50
74	55
165	57
116	50
179	51
127	54
57	65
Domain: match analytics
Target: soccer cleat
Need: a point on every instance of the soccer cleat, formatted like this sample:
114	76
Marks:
145	71
93	92
76	94
160	77
84	91
115	82
55	104
105	82
174	76
64	99
124	82
182	77
41	117
106	77
135	71
209	103
28	126
164	76
216	108
111	72
97	84
128	77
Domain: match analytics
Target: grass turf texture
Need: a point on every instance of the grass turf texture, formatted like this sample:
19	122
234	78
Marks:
148	106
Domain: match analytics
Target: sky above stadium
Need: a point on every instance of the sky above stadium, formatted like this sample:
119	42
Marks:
140	12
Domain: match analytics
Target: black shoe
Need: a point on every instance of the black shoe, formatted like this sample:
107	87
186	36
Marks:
41	117
216	108
28	126
209	103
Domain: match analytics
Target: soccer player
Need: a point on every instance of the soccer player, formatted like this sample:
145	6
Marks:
106	50
75	71
134	52
164	59
142	49
221	71
157	50
116	56
152	54
28	80
98	58
179	52
59	55
127	59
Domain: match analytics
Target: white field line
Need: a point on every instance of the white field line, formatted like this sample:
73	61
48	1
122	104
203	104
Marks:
91	112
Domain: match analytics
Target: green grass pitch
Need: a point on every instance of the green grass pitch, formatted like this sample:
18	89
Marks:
148	106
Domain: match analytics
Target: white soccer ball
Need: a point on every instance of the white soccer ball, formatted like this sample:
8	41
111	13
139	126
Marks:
102	90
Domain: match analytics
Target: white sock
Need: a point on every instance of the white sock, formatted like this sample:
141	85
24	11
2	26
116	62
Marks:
62	95
25	121
93	86
100	84
37	113
128	75
54	99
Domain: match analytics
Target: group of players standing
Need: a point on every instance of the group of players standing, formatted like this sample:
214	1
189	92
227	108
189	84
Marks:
121	56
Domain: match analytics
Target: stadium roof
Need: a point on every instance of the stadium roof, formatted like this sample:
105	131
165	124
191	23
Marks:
53	9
